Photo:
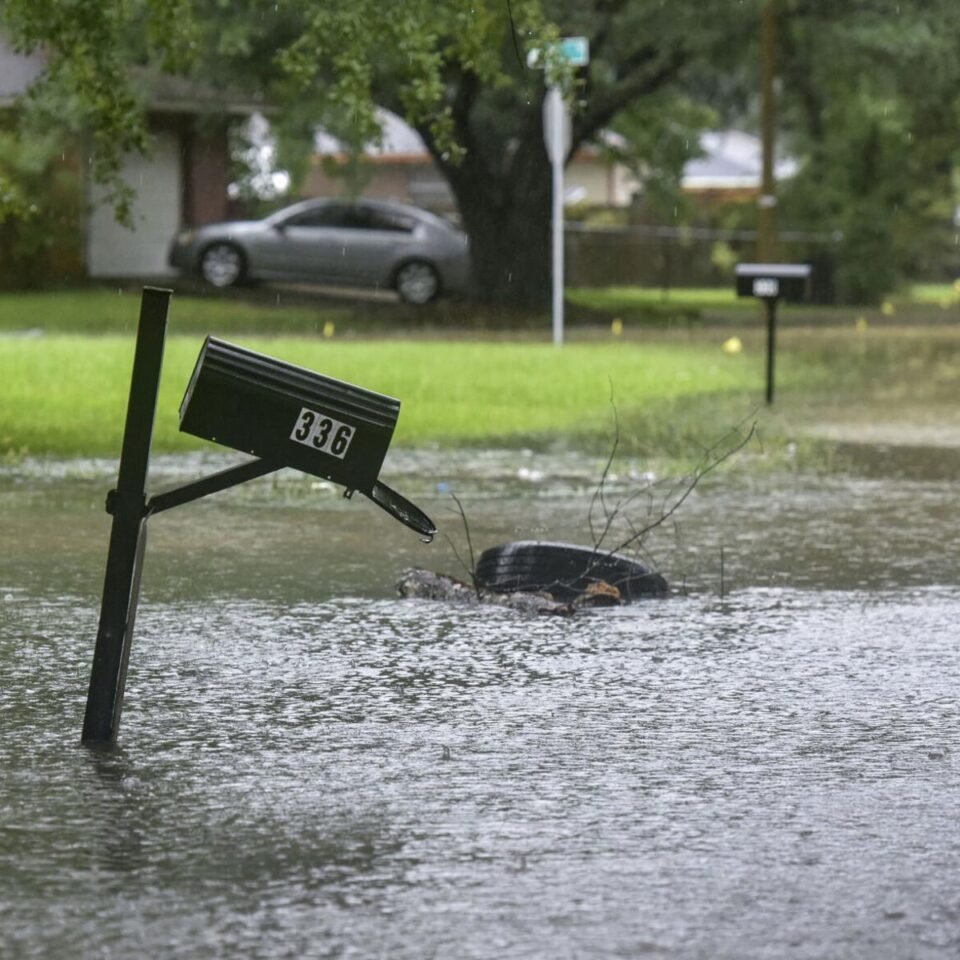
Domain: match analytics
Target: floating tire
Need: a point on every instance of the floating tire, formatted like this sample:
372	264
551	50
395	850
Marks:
563	570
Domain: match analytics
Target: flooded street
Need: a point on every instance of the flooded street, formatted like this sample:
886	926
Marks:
763	765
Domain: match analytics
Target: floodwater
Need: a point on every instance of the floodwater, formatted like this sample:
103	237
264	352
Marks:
763	765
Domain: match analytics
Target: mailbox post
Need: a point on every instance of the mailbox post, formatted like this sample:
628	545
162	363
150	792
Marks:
128	532
284	415
770	282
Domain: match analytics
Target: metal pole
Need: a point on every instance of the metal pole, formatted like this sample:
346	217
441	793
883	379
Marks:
771	303
557	252
127	536
767	201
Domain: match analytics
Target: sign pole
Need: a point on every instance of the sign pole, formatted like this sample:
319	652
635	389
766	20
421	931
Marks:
558	252
556	122
574	52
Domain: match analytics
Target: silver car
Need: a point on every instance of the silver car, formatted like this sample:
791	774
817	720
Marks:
364	243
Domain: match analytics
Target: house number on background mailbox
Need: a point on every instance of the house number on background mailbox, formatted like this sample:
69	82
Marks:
322	433
766	287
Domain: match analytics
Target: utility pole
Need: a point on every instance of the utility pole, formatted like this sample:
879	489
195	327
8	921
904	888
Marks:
767	201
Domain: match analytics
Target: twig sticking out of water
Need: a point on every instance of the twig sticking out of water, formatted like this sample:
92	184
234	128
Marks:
680	488
471	569
598	493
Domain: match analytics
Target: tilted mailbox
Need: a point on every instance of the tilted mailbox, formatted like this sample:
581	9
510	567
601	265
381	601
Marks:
281	414
772	282
293	417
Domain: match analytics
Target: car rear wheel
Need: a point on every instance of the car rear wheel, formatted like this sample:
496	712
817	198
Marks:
417	282
222	265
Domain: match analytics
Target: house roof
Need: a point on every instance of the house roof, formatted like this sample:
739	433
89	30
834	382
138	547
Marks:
731	159
17	72
398	141
163	93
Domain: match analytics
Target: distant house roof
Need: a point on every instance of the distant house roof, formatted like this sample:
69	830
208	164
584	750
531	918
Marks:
398	141
162	92
165	93
731	159
17	72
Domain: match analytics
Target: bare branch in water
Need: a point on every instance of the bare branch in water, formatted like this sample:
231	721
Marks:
598	493
663	499
711	459
472	569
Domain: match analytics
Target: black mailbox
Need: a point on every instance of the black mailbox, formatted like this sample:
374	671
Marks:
773	281
287	415
282	414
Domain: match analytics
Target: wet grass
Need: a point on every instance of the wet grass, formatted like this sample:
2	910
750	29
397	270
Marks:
66	395
63	392
100	311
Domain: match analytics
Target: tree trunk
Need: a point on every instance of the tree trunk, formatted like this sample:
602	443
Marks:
509	233
506	215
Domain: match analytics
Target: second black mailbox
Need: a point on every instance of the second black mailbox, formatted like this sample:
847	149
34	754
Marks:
773	281
287	415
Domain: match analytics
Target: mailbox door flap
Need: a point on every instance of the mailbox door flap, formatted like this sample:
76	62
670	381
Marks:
400	508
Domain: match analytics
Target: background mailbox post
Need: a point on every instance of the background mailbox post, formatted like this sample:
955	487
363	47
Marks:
771	282
284	415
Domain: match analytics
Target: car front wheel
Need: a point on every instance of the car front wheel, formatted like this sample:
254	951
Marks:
222	265
417	282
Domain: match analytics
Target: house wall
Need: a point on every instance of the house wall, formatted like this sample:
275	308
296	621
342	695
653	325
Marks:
183	181
418	182
415	180
589	182
117	251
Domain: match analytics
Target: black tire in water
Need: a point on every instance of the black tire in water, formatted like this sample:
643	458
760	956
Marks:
563	570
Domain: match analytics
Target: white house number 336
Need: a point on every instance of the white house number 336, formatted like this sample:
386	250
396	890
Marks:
323	433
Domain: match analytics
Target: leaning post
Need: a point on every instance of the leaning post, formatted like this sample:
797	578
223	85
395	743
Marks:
127	505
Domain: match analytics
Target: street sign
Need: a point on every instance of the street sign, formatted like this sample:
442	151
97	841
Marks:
556	126
575	50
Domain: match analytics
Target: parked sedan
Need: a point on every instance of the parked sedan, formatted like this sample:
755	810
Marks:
362	244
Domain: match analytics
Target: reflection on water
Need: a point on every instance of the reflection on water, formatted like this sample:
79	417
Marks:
312	767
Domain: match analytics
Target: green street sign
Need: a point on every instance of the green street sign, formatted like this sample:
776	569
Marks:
575	50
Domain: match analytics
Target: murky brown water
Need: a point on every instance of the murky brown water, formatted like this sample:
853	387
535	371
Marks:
772	773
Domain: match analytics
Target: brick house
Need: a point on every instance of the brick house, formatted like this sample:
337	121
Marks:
182	181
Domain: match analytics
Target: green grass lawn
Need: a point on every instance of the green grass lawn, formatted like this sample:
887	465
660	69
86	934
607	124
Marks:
944	295
631	298
116	311
63	392
66	394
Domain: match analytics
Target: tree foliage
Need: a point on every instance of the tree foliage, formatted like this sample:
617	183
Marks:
867	90
871	109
